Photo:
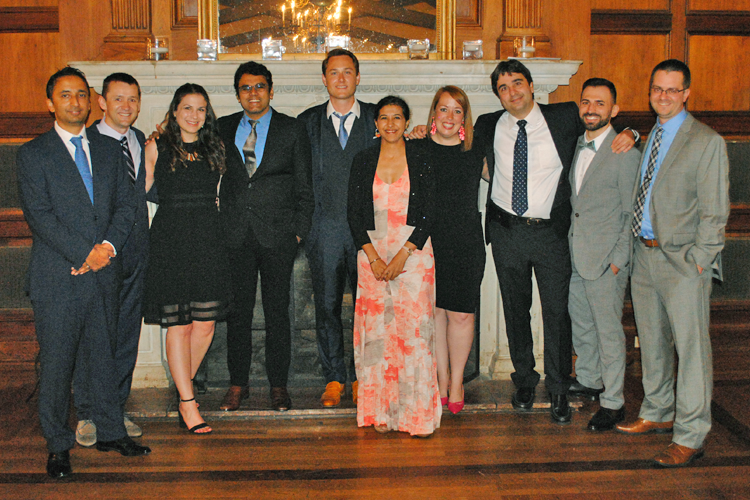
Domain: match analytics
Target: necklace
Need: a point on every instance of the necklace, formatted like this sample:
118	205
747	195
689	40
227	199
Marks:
191	156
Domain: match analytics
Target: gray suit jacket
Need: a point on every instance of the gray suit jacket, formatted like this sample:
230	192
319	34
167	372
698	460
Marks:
690	199
602	211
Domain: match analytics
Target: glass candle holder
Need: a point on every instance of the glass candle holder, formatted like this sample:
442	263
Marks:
272	49
418	49
158	48
207	49
473	49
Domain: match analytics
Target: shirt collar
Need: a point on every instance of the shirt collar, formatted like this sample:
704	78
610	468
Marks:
263	121
535	117
600	138
105	129
67	136
674	123
354	109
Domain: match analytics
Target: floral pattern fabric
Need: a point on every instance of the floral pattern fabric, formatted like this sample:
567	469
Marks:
394	325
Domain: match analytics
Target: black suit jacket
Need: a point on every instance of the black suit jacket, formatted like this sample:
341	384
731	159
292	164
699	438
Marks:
138	240
65	225
565	127
278	202
361	211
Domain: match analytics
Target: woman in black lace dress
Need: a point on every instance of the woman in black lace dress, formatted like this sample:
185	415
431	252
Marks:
188	275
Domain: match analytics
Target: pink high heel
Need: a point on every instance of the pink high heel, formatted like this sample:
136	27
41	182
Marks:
444	401
458	406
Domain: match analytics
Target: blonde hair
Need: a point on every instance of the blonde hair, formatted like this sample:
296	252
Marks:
463	100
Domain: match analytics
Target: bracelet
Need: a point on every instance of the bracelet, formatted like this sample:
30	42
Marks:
374	261
408	250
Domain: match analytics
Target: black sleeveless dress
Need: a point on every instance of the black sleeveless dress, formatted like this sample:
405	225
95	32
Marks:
188	271
457	226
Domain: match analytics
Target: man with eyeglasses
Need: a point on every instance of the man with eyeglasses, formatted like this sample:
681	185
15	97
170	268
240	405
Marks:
681	206
266	206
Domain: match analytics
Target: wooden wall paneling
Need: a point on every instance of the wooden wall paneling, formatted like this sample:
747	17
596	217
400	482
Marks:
525	18
24	125
37	56
568	30
678	38
720	80
622	21
630	5
735	5
718	23
83	26
469	13
184	14
130	30
29	20
182	38
627	60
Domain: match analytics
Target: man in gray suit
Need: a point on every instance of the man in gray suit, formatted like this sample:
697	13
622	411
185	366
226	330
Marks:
600	244
681	205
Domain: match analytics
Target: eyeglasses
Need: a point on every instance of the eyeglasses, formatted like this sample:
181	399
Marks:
670	92
260	87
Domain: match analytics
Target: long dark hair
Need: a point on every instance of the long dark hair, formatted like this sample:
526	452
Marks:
209	145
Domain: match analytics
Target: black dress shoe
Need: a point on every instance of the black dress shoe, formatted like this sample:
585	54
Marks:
606	419
559	409
124	446
58	465
280	400
523	398
578	389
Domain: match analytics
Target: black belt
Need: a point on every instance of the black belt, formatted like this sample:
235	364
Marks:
507	219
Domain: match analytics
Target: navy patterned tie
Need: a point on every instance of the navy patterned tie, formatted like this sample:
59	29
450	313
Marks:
520	200
128	159
83	166
640	200
343	135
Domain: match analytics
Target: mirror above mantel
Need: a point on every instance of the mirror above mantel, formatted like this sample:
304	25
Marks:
377	29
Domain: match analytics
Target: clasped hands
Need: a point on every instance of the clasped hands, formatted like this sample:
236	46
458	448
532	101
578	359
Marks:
389	271
98	258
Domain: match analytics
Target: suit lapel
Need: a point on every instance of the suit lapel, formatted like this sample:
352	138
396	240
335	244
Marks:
99	171
602	154
680	139
273	144
67	167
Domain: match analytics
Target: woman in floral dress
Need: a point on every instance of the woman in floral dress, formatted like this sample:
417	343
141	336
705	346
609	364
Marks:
391	200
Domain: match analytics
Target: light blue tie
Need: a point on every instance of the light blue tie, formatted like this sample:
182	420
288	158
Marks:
343	135
83	166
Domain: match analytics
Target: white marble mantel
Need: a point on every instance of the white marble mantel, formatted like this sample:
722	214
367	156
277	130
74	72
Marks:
298	86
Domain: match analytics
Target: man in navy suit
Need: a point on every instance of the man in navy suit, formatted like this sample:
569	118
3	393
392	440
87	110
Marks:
529	152
79	207
266	206
121	103
338	130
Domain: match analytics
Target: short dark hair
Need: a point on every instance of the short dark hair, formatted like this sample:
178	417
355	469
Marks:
506	68
395	101
340	52
251	68
601	82
673	65
119	77
66	71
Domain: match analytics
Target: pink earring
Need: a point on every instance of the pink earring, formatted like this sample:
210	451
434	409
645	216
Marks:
433	128
462	133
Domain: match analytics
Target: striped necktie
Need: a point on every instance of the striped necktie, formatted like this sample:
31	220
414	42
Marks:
640	201
128	159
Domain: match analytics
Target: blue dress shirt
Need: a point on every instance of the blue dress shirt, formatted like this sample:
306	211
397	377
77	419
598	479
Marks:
670	131
261	129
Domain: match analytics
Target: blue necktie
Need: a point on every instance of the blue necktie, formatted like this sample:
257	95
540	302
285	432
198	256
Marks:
343	135
520	199
83	166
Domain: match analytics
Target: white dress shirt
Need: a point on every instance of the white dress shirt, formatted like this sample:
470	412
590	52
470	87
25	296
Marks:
586	156
349	123
544	164
135	148
67	136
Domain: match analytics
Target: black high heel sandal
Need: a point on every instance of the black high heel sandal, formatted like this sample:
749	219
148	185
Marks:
194	429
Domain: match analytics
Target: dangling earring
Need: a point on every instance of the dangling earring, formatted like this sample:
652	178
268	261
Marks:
377	133
462	133
433	128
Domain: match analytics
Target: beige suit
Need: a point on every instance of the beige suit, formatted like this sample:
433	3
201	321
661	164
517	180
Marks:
599	236
689	209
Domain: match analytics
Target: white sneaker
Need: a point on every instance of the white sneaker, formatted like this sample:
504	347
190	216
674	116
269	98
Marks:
86	433
133	430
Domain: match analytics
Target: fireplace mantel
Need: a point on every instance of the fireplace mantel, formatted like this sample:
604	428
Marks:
298	86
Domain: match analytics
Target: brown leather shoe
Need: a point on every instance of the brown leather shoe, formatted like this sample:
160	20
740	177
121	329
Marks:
641	426
280	400
234	397
355	389
677	456
332	395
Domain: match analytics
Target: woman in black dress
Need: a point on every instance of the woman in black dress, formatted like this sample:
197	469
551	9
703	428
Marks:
456	237
188	272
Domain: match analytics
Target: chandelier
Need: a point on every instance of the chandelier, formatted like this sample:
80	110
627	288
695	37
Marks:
314	25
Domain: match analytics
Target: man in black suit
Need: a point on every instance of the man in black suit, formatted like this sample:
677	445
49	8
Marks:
529	152
121	103
338	130
267	205
79	207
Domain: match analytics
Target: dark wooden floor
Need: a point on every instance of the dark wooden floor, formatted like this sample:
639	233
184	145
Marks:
486	453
